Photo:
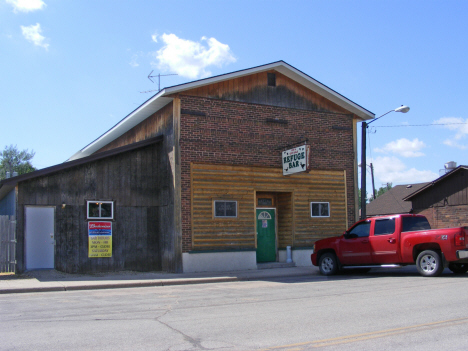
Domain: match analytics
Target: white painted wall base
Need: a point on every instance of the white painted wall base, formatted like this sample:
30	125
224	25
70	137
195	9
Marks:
300	257
219	261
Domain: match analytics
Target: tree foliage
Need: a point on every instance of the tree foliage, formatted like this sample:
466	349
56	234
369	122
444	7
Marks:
13	160
382	190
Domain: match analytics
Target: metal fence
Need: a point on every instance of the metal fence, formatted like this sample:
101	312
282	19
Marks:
7	244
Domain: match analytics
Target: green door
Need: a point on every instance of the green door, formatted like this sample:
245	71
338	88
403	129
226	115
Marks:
266	235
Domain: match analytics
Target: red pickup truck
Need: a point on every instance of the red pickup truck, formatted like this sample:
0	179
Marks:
394	240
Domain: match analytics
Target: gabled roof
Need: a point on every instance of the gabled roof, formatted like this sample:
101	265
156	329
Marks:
163	98
431	184
392	201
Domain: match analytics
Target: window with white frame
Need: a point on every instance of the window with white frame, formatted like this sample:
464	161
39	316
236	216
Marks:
100	209
225	209
320	209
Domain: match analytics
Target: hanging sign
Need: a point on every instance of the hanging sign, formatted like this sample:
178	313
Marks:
295	160
99	239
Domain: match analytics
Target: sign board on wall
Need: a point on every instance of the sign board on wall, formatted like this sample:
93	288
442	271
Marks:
295	160
99	239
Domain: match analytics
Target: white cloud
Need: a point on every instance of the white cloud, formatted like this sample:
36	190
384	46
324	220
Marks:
26	5
190	59
134	60
452	143
404	147
392	170
459	126
32	33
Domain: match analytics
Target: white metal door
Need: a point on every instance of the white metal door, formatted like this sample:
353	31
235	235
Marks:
39	237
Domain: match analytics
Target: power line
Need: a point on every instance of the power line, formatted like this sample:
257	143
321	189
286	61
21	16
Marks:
420	125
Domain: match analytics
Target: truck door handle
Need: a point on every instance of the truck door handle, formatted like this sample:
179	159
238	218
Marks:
391	240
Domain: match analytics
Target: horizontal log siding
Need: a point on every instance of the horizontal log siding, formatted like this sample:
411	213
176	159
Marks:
218	182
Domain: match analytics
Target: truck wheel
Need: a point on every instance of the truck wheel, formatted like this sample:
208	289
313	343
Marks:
429	263
458	268
328	264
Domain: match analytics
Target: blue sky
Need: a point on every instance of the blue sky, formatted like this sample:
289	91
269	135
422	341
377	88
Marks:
70	70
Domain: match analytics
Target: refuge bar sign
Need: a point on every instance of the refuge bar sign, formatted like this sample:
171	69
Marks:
295	160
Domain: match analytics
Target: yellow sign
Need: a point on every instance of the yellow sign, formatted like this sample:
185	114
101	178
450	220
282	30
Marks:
100	246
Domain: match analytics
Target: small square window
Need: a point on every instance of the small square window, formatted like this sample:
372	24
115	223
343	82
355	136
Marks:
225	209
320	209
100	209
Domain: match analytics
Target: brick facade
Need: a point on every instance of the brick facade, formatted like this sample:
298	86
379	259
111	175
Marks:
236	133
446	217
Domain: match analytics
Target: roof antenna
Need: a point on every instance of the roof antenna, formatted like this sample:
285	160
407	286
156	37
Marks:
159	80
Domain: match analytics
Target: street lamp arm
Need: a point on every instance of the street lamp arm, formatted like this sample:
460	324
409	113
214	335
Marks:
402	109
375	119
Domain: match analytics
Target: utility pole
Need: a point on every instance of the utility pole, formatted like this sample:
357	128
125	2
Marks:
372	175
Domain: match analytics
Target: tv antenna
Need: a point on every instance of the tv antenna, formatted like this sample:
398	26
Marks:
159	75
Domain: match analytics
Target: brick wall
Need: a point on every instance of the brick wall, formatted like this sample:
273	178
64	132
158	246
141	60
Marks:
236	133
446	217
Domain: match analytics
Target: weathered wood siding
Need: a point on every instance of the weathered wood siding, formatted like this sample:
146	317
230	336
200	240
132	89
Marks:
285	219
160	123
237	183
452	191
7	244
138	183
254	89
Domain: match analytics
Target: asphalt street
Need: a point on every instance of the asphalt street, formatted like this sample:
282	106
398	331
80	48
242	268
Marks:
380	310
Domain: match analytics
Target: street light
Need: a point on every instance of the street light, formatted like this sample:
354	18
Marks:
402	109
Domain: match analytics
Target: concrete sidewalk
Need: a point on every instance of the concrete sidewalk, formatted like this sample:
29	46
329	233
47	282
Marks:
52	280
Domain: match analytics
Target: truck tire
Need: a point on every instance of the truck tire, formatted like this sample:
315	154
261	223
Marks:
458	268
429	263
328	264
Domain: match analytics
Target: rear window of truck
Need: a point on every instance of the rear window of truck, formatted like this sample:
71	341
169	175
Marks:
412	224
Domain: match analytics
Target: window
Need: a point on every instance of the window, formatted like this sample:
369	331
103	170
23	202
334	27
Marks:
225	209
271	79
100	209
384	226
320	209
411	224
264	202
359	231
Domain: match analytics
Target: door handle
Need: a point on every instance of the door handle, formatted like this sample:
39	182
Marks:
391	240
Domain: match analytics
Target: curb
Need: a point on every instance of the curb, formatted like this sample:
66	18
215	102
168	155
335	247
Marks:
145	284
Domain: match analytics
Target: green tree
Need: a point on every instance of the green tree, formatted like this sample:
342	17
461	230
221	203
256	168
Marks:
13	160
383	189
